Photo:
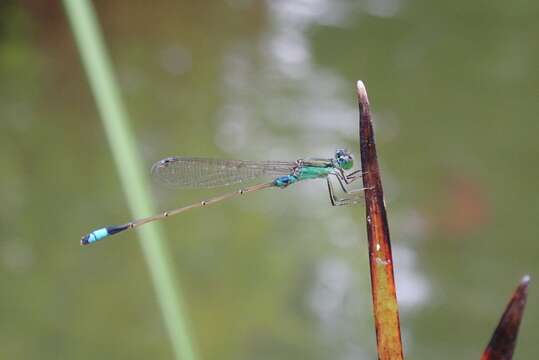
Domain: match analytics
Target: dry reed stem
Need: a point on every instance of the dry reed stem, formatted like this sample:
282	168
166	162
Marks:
503	341
386	310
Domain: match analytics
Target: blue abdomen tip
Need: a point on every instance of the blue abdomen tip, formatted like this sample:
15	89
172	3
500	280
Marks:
94	236
103	233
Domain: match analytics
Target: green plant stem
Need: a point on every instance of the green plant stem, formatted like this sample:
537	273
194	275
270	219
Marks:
134	181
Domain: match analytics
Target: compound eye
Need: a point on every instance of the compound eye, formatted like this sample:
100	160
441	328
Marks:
346	162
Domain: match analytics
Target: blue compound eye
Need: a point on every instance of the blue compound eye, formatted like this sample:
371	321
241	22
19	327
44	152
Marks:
344	159
346	163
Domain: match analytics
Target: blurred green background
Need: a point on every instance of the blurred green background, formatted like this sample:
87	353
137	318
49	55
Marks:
280	274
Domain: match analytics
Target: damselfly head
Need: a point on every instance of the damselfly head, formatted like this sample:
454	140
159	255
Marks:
344	159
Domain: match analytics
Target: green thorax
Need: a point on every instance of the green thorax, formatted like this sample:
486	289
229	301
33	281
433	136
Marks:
313	172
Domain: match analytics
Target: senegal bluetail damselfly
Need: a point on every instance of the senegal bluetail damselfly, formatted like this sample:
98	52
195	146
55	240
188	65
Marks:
205	173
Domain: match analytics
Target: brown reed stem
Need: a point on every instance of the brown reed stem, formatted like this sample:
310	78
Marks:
503	341
386	310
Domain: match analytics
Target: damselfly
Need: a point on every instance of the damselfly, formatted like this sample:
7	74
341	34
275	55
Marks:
202	172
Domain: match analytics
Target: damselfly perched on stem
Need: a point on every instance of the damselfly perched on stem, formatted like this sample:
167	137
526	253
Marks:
202	172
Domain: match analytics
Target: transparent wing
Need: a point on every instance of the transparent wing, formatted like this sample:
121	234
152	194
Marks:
203	172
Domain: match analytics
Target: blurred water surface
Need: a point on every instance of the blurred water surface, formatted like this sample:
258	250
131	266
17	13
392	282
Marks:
280	275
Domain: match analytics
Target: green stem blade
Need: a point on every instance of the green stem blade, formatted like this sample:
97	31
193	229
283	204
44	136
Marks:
122	142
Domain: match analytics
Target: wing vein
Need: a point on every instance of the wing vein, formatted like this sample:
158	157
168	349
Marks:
203	172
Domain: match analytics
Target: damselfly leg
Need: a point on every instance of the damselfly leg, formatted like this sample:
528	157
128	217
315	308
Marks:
354	196
353	176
